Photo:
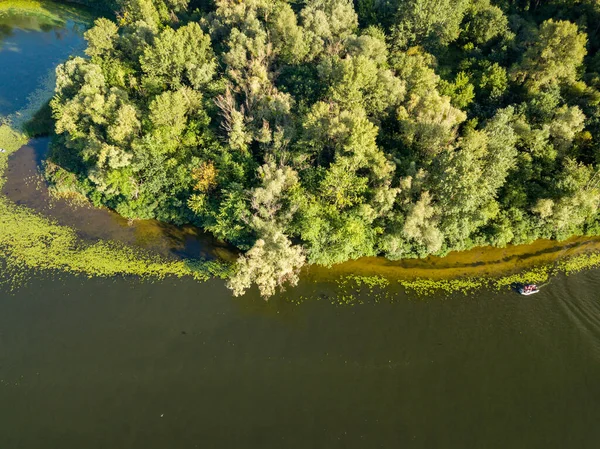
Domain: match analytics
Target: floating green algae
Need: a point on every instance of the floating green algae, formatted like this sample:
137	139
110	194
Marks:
31	241
536	275
45	12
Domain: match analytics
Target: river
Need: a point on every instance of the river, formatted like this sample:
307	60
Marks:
124	363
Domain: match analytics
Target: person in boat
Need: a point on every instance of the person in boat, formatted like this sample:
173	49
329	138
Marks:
529	288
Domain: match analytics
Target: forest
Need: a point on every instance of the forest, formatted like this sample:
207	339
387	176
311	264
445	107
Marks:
318	131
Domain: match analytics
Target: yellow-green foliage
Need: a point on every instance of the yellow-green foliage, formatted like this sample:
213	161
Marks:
368	281
535	276
28	240
10	141
50	11
24	7
579	263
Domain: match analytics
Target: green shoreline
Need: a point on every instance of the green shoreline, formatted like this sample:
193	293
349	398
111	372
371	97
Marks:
32	241
29	240
51	10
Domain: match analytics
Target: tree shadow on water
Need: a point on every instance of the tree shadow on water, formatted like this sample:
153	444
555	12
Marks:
192	243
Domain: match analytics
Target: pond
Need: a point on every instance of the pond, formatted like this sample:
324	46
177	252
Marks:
113	362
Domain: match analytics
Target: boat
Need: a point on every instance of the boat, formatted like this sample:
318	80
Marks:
528	289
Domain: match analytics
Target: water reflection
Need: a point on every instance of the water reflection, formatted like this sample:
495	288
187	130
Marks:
39	20
33	41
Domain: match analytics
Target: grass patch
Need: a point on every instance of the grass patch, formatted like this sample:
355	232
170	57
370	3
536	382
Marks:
47	12
10	141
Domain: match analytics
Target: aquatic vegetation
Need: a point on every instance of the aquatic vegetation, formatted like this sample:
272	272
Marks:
10	141
533	276
536	275
30	7
353	289
579	263
424	287
368	281
31	241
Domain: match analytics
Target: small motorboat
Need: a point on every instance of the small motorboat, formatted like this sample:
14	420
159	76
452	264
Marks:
528	289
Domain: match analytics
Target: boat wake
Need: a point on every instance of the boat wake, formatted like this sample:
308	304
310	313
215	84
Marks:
579	303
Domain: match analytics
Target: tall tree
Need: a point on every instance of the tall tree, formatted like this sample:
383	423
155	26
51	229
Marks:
553	58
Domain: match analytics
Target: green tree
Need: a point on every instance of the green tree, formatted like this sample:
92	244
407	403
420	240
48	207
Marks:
182	57
466	181
493	80
271	263
428	22
553	58
461	91
101	38
328	23
421	225
428	121
483	22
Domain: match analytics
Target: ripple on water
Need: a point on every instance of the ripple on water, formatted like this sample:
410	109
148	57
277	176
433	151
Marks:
579	301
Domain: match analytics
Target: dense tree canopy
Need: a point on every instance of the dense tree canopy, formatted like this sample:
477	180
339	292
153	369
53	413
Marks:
325	130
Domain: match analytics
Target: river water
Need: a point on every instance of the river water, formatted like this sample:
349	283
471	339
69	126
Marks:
121	363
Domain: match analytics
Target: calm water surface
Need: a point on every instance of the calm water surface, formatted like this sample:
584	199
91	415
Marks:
123	364
31	46
120	363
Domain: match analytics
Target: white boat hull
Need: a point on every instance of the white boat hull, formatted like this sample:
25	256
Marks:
531	292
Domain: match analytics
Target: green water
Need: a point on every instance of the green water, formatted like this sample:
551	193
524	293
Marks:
120	363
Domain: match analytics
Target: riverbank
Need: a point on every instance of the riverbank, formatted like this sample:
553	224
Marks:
33	240
29	240
467	271
36	239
